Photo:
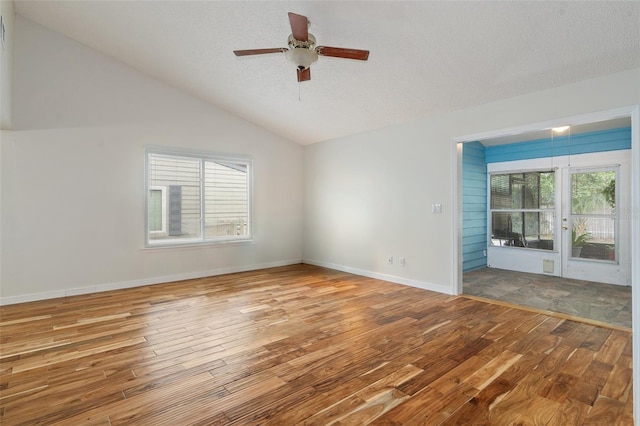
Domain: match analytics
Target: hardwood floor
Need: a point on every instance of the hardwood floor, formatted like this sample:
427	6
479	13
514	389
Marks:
305	345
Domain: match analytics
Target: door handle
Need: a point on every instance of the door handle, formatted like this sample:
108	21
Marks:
565	227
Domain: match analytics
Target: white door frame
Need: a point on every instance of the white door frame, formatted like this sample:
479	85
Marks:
634	213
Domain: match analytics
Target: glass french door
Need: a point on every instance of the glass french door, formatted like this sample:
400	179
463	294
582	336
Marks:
590	225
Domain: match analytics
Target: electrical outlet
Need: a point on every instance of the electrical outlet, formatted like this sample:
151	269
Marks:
403	262
390	260
484	253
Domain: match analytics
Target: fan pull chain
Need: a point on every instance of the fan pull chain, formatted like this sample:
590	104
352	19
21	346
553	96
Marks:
299	86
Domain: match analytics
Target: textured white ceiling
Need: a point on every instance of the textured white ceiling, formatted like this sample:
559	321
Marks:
426	57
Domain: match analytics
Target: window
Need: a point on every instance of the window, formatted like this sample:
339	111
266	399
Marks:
196	198
522	209
593	218
157	212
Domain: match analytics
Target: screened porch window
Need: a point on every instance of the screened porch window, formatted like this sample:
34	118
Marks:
522	209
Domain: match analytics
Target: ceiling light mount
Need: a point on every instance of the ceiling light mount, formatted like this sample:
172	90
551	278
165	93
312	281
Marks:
310	43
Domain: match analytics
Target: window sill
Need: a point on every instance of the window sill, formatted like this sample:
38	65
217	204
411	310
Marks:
196	244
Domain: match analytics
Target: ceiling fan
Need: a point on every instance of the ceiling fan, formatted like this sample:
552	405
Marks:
302	50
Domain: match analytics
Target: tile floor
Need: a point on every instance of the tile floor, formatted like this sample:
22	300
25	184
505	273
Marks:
594	301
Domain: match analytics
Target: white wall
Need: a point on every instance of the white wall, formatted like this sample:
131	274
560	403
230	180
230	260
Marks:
369	196
6	85
73	184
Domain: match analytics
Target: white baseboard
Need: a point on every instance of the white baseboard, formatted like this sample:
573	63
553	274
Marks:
385	277
32	297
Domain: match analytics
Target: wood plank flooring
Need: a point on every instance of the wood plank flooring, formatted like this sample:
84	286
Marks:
304	345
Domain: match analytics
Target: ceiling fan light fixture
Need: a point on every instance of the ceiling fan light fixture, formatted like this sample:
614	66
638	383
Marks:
302	50
301	57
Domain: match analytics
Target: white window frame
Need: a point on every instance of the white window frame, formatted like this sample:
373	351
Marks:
202	240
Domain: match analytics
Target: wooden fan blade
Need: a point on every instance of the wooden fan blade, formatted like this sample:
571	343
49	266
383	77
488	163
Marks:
339	52
299	26
304	75
259	51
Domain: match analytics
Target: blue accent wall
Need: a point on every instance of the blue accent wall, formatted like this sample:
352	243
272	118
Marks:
604	140
474	206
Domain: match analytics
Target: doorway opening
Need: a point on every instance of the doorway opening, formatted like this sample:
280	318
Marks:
548	203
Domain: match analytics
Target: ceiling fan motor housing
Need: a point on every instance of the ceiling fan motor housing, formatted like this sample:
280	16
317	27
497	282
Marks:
302	53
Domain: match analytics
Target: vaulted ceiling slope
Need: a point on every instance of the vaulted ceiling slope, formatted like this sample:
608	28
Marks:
426	57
